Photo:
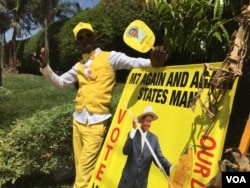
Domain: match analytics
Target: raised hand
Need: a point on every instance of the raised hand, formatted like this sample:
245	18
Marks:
39	58
158	56
135	123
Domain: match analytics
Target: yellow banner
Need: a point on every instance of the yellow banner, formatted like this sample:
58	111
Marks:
179	129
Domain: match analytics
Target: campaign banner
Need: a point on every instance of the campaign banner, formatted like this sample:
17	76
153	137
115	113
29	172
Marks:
180	130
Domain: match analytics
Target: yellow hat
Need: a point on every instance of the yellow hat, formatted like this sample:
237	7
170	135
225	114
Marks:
82	25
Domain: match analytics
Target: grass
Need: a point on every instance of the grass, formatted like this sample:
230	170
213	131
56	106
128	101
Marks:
30	93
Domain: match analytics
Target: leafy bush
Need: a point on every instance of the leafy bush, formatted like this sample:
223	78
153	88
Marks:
30	94
41	144
69	54
37	145
4	95
4	98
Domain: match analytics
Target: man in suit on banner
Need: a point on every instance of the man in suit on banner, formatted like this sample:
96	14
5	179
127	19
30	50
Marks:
139	157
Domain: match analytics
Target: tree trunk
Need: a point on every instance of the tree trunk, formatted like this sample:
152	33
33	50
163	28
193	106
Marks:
46	39
13	43
1	59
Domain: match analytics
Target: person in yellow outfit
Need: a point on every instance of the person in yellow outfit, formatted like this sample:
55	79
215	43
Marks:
96	76
19	66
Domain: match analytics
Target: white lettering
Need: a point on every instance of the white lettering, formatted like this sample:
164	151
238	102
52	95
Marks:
242	179
229	179
235	179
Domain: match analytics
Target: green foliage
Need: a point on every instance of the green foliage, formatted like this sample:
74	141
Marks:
4	95
53	31
27	47
69	54
31	45
109	27
30	94
198	30
37	144
204	39
34	134
205	28
121	14
35	139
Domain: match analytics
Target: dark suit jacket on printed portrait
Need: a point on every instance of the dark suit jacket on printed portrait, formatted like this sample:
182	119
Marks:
136	170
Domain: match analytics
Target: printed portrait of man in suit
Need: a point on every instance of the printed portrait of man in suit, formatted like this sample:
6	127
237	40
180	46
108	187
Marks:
139	155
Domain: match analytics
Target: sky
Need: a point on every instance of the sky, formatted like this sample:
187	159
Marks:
84	3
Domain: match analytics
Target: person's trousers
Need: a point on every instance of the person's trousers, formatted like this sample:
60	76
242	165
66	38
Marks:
87	143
